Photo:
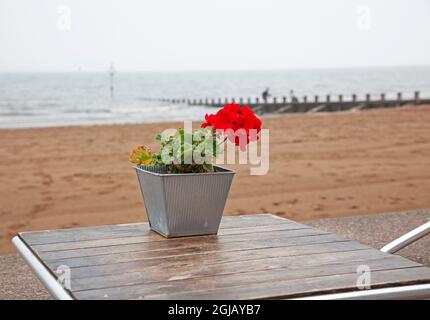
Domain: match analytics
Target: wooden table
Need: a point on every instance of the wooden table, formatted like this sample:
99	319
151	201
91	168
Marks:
254	256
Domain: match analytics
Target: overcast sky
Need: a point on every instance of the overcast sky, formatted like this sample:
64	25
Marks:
141	35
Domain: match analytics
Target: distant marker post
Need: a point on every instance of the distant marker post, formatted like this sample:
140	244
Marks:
111	75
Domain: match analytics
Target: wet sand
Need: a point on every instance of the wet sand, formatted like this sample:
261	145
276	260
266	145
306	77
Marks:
321	165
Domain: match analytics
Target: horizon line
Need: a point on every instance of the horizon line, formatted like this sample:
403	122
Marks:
221	69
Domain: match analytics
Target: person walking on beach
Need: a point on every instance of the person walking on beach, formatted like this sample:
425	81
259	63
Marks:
293	97
265	95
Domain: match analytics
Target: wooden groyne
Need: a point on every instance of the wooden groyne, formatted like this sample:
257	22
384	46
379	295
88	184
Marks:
306	104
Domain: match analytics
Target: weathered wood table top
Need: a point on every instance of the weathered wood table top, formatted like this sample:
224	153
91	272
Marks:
254	256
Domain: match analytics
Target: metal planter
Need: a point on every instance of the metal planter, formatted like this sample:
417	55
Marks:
187	204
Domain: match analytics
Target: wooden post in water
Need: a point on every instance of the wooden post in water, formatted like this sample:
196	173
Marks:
383	100
339	107
417	97
367	98
399	99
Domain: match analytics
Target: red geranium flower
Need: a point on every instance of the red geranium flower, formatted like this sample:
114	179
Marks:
239	124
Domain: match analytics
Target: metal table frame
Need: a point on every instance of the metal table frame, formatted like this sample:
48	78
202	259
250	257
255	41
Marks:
42	273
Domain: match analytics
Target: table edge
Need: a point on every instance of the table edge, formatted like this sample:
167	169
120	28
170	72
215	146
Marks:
417	291
42	273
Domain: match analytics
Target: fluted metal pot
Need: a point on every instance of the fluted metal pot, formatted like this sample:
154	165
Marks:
185	204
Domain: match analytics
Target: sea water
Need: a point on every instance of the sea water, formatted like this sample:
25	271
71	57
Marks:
80	98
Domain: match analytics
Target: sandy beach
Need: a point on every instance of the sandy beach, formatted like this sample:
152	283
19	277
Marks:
321	165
